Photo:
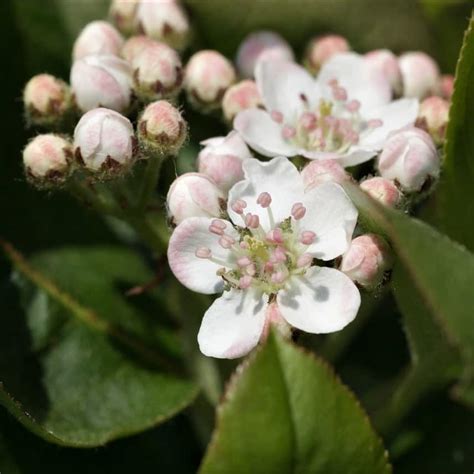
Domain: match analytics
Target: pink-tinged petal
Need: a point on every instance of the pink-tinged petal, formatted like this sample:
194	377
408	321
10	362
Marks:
233	324
362	82
262	133
332	216
398	114
231	144
279	178
199	274
286	87
356	156
324	300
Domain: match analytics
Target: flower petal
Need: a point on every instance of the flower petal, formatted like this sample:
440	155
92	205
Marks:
198	274
362	82
323	300
356	156
332	216
278	177
398	114
233	324
282	86
262	133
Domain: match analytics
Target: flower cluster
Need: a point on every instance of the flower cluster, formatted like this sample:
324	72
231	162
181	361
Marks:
263	218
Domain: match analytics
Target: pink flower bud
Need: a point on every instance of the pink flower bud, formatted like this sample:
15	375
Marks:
366	260
104	142
134	46
320	49
221	159
98	37
157	72
446	86
433	117
123	14
164	20
102	81
322	171
386	63
207	76
240	96
47	160
193	195
409	157
261	45
420	74
162	129
382	190
47	100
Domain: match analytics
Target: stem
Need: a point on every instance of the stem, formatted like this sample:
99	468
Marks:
144	228
150	179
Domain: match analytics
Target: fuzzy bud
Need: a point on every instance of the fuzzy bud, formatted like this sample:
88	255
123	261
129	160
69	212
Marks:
47	100
261	45
386	63
164	20
222	158
123	14
157	72
162	129
47	160
207	76
382	190
102	81
134	46
104	142
98	37
193	195
240	96
420	74
433	117
322	48
322	171
409	157
446	86
366	260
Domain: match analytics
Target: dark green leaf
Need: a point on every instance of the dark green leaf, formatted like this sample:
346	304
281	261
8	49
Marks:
286	412
74	369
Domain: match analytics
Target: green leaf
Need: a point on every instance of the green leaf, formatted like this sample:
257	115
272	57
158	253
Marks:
433	282
286	412
78	369
453	212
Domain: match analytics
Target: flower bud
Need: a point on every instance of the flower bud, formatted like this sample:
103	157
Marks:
47	100
98	37
446	86
366	260
322	48
261	45
193	195
47	160
382	190
433	117
157	72
207	76
420	74
123	14
134	46
104	142
386	62
162	129
409	157
322	171
102	81
222	158
240	96
164	20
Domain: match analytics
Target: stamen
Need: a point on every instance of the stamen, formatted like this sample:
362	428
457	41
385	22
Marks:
226	241
251	269
275	236
239	206
374	123
304	260
288	132
353	106
244	245
243	261
203	252
245	282
252	221
307	237
308	121
278	255
268	267
298	211
278	277
264	199
276	116
339	93
333	82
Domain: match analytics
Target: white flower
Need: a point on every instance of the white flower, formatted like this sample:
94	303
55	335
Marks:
264	255
346	113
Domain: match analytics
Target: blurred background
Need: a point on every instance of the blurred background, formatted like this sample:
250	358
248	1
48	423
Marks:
36	37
